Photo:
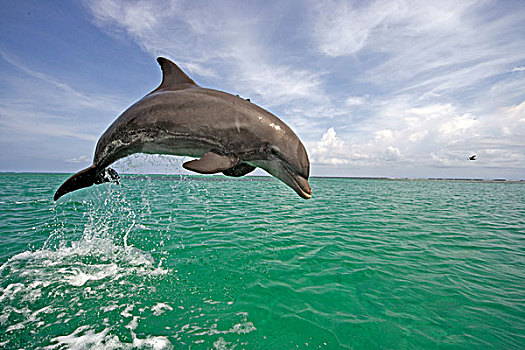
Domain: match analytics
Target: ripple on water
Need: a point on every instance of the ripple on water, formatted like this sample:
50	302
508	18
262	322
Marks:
162	262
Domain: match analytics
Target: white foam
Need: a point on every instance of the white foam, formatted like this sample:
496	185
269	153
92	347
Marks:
126	312
84	338
14	327
239	328
10	291
133	324
89	264
75	276
150	342
88	340
160	308
222	344
110	261
243	328
109	307
4	317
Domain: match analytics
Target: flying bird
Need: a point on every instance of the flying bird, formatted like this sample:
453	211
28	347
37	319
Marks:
472	157
226	133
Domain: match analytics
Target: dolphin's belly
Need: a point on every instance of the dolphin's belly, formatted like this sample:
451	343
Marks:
177	146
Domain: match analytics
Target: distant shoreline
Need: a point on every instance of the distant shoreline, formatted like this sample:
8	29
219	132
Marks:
416	179
312	177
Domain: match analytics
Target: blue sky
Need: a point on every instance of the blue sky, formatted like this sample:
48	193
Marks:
373	88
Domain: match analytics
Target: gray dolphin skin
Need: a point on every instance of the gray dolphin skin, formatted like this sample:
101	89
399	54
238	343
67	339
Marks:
227	133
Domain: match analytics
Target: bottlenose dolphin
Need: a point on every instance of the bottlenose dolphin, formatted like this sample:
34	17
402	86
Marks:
227	133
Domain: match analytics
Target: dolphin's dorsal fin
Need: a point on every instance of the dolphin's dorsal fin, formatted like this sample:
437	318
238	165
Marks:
173	78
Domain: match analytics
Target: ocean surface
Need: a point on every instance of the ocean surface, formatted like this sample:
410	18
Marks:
209	262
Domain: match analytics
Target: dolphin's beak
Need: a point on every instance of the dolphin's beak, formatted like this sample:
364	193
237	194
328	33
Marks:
297	182
287	175
302	187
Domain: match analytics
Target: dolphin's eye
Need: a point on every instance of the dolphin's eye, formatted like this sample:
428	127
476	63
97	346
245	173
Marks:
276	154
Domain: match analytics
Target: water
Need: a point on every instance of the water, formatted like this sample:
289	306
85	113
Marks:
172	262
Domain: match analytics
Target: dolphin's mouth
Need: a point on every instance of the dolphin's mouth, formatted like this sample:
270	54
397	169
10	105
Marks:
286	174
300	185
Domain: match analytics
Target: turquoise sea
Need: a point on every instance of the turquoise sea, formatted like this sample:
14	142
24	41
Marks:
196	262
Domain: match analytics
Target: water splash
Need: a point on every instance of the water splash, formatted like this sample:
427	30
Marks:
100	278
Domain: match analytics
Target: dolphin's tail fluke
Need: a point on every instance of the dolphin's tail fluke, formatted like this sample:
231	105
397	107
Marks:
86	178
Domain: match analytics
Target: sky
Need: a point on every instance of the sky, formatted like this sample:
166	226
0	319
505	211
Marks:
372	88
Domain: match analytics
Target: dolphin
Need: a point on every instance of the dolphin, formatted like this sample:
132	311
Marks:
226	133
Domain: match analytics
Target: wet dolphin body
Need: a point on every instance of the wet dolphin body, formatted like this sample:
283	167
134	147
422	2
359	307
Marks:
227	133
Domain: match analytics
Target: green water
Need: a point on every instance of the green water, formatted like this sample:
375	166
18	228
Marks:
214	263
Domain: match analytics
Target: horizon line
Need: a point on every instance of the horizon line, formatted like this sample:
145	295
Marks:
311	177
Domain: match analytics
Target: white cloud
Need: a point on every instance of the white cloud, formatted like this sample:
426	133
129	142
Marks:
356	100
80	159
37	86
343	28
219	40
330	149
417	136
432	135
40	114
31	123
442	72
458	126
509	122
136	17
39	105
429	48
277	85
383	135
392	153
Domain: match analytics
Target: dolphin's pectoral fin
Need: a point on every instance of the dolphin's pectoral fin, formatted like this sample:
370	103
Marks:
238	170
210	163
